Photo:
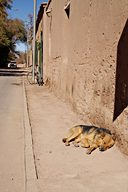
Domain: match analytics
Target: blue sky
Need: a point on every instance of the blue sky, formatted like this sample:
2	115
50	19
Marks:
21	9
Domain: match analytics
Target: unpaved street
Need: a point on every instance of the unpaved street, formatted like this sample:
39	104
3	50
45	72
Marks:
12	168
17	169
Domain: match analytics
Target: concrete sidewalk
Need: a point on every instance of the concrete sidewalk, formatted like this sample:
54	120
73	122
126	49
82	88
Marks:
69	169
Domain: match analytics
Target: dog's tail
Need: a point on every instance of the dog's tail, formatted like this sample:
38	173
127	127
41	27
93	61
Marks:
64	140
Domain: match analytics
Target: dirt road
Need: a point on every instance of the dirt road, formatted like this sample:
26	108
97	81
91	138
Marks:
17	169
69	169
12	167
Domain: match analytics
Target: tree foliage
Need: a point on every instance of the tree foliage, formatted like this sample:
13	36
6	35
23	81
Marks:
29	28
4	5
22	58
11	31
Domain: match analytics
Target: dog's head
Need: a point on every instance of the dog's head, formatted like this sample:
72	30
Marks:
109	141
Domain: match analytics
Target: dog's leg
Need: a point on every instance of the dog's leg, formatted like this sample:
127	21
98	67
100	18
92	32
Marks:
72	136
74	133
76	141
84	143
92	148
71	132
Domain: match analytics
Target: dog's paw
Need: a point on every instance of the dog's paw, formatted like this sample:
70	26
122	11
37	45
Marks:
67	144
64	140
88	152
75	144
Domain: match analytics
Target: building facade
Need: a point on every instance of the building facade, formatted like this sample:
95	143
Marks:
39	43
85	59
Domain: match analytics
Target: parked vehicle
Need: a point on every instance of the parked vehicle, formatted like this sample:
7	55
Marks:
12	64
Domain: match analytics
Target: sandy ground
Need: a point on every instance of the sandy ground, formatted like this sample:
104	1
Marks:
67	169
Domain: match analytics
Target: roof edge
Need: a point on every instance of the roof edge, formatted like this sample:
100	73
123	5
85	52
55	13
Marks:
40	14
48	4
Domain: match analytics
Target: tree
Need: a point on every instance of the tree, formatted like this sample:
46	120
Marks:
29	28
16	32
22	58
11	31
4	5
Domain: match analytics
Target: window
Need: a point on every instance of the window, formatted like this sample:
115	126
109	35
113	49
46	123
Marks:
67	8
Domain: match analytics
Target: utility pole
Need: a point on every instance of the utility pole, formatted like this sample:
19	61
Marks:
27	49
34	42
27	46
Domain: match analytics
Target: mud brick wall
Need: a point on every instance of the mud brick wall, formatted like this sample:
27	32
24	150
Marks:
86	60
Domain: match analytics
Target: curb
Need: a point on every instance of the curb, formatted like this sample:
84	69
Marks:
30	169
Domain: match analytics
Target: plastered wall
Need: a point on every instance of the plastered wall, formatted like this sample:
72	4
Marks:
86	62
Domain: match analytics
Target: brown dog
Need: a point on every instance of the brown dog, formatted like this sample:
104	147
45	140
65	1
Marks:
90	137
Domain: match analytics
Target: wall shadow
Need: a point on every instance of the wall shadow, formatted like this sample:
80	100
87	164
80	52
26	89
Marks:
121	87
12	72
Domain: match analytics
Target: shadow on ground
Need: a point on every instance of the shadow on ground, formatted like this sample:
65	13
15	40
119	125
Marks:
13	72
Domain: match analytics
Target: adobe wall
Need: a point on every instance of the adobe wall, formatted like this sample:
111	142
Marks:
86	62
